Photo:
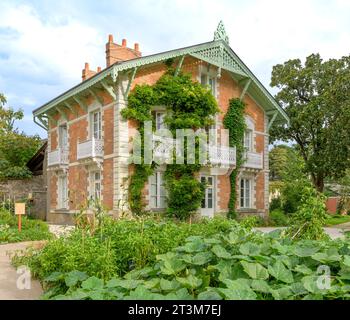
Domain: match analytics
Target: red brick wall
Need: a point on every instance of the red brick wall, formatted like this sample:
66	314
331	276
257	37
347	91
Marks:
53	190
331	204
77	186
78	131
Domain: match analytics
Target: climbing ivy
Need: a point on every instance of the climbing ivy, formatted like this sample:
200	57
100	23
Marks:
235	123
191	106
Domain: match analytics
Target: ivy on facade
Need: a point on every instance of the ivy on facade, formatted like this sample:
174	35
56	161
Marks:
191	106
188	105
234	121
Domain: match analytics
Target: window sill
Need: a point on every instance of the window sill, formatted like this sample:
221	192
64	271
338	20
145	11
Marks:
248	210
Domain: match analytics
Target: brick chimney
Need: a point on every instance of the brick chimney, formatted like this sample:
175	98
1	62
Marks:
87	73
116	52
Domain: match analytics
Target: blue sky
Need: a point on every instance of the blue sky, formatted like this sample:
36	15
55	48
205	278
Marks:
44	44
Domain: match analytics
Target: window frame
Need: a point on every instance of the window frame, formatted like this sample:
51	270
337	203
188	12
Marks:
155	200
93	184
63	196
244	201
98	132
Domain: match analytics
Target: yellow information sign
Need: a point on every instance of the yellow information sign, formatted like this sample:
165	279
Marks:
20	208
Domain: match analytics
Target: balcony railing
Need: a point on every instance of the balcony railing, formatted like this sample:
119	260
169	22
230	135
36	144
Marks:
223	156
90	149
254	160
58	157
217	155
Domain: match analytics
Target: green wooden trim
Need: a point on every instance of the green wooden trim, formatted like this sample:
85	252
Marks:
178	67
216	52
51	118
70	107
109	89
41	123
62	113
131	79
272	120
81	103
245	88
96	97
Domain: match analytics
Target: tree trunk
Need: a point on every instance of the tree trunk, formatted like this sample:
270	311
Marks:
318	181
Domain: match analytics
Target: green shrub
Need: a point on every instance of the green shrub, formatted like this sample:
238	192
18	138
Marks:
250	222
31	229
232	265
278	218
308	221
117	246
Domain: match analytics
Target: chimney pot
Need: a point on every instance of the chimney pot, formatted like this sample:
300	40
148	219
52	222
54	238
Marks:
124	42
110	38
98	69
86	66
136	47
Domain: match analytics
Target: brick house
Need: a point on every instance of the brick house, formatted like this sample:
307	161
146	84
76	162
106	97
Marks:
89	142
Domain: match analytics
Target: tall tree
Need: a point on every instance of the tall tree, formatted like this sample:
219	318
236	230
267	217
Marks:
316	97
8	116
16	148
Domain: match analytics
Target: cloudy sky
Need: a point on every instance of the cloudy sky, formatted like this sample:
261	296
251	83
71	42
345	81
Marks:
44	43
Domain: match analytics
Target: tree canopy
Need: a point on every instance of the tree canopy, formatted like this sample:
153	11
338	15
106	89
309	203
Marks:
16	148
316	97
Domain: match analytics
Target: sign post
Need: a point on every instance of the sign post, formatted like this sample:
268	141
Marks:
20	209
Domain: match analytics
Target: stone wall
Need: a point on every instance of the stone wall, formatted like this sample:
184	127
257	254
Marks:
18	190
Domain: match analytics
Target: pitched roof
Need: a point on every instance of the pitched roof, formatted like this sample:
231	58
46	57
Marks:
217	52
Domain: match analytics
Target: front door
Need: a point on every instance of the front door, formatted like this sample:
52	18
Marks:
208	202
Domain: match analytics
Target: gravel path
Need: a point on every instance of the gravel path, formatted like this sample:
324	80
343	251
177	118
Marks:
9	277
334	233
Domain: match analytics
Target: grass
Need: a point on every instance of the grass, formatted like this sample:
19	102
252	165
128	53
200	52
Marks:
31	229
337	219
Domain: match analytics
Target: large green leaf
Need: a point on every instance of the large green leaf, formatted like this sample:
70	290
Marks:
301	268
221	252
171	264
281	293
209	295
167	285
201	258
244	294
280	272
190	281
255	270
73	277
260	286
92	283
250	249
305	251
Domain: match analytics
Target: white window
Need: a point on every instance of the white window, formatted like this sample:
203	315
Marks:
208	200
63	136
95	185
157	191
208	80
159	118
62	192
96	125
248	140
246	193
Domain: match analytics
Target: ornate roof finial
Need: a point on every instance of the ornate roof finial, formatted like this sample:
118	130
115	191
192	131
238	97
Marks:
220	33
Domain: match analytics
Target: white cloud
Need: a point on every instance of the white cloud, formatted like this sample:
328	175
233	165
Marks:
43	45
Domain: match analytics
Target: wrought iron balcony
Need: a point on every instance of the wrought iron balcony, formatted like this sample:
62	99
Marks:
58	158
253	160
90	150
